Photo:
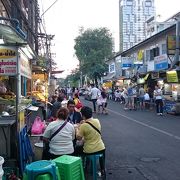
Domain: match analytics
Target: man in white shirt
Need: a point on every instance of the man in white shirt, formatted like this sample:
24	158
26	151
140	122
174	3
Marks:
158	100
95	92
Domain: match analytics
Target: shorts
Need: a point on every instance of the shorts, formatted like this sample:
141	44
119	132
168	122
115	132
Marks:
141	99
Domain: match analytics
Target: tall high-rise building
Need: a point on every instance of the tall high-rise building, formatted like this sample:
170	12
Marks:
132	18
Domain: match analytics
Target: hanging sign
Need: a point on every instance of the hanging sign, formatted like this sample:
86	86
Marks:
172	76
160	62
171	44
25	68
8	61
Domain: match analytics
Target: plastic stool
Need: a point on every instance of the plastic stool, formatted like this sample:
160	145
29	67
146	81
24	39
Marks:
47	169
70	167
93	158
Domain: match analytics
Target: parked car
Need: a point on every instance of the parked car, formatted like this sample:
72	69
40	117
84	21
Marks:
87	95
82	92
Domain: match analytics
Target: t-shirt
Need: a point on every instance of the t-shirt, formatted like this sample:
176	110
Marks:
141	92
92	139
62	143
95	92
158	94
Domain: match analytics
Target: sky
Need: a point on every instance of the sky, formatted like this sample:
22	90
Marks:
65	18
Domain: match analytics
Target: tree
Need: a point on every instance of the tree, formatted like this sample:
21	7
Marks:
73	78
92	48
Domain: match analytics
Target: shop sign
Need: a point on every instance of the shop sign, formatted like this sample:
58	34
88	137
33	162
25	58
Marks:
140	57
127	62
25	68
160	62
8	61
172	76
171	44
111	67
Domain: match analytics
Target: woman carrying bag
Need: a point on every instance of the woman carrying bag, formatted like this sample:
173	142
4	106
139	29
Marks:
58	137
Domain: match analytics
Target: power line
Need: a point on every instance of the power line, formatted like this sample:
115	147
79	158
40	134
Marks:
49	8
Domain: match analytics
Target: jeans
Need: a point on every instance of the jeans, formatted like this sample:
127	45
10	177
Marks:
94	104
159	106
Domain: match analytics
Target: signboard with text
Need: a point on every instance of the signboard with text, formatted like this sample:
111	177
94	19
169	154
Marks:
171	45
160	62
127	62
25	68
8	61
172	76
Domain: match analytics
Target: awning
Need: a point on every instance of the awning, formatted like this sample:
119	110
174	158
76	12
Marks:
10	35
110	76
146	77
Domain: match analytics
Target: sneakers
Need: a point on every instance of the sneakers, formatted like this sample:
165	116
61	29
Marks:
159	114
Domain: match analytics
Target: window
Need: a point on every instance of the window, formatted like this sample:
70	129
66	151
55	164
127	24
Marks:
164	49
153	53
129	2
148	3
147	55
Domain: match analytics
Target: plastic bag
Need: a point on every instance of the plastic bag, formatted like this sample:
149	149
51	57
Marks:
38	126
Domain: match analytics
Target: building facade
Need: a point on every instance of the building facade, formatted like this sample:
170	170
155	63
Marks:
132	17
27	13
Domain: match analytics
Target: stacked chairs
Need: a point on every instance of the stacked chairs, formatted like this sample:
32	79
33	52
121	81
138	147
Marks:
70	167
41	170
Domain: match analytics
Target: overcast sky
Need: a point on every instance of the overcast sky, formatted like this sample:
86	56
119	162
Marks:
66	17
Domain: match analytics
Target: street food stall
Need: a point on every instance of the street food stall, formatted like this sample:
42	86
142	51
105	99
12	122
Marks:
171	89
15	79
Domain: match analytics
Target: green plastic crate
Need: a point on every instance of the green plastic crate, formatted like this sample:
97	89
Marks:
70	167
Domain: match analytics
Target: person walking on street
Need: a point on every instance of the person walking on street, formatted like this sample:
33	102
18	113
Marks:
95	92
158	100
141	97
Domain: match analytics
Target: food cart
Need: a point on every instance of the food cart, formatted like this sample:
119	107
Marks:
15	79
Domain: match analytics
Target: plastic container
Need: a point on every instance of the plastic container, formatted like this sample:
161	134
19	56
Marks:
38	151
1	169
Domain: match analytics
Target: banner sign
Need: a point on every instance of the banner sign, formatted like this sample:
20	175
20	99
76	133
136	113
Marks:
171	44
127	62
160	62
25	68
172	76
8	61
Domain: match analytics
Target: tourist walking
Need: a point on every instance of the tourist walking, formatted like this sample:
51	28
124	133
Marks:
158	100
95	92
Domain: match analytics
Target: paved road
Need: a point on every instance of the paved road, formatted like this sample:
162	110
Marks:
140	145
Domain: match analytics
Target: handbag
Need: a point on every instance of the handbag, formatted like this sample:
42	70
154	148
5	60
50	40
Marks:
46	154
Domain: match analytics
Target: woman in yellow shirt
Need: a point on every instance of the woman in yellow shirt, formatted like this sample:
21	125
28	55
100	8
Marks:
90	131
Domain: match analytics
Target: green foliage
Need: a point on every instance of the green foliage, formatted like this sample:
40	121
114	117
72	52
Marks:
44	63
73	78
92	48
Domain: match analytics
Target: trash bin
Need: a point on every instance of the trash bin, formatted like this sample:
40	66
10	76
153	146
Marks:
38	151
